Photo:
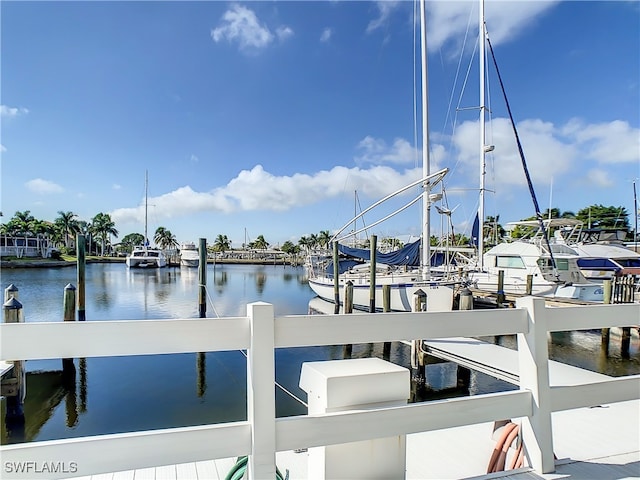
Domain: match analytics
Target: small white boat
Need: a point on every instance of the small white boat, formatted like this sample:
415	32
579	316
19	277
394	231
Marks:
143	257
189	255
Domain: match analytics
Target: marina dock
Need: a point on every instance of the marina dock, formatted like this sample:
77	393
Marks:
575	424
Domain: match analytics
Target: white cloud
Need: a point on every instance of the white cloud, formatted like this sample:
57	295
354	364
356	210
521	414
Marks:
194	159
43	187
599	178
2	148
376	151
613	142
326	34
241	25
116	186
283	33
257	189
547	154
385	8
448	22
12	111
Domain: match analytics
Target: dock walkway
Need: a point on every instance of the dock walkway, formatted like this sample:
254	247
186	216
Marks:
602	442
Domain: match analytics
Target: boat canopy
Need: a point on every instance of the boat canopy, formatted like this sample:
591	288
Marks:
408	255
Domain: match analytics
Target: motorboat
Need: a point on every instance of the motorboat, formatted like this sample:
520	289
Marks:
189	255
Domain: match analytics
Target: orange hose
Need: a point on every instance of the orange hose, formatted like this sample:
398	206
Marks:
517	457
502	457
508	428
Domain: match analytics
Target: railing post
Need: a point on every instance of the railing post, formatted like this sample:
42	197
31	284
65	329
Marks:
533	355
261	404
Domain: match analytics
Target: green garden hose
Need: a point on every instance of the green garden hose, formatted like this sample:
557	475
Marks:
239	469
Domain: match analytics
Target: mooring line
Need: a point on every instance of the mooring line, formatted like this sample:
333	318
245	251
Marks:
245	353
281	387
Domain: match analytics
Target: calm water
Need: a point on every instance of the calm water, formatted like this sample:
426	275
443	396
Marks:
123	394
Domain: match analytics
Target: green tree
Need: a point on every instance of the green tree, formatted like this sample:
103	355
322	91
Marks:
323	238
260	243
221	243
104	227
599	216
493	231
130	240
68	223
164	238
21	223
305	243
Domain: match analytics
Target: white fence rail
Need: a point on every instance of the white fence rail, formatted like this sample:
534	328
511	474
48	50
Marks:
260	332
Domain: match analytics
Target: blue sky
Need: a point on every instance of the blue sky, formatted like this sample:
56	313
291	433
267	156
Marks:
264	118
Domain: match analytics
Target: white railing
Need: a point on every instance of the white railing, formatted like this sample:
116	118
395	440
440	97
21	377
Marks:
260	332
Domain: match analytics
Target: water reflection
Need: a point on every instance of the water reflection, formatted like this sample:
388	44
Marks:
134	393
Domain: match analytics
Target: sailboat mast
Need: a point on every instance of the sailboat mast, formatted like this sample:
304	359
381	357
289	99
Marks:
426	205
483	146
146	197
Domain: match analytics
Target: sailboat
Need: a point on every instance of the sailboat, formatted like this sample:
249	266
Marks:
142	256
396	270
536	265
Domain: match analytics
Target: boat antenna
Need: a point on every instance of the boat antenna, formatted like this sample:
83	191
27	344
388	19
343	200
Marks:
524	164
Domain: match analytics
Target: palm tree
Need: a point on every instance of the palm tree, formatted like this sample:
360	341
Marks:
104	227
323	238
221	243
68	224
260	243
22	223
304	243
164	238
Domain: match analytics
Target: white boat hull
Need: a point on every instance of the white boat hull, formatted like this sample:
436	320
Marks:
439	297
190	262
146	259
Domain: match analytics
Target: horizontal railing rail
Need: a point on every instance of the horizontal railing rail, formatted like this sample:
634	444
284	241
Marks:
260	332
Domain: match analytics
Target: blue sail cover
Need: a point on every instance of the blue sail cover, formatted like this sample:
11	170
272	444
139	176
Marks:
409	255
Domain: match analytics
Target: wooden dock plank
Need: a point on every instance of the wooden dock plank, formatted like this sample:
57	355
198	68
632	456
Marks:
166	472
126	475
207	470
186	470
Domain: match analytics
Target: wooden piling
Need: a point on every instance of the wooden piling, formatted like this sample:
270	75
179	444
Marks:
372	274
605	333
420	301
69	315
348	308
529	289
348	297
202	278
466	300
625	342
607	286
80	251
463	377
500	297
14	385
10	291
201	371
386	307
336	278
